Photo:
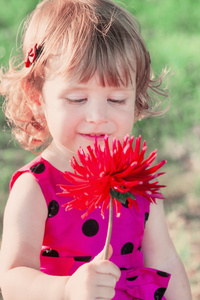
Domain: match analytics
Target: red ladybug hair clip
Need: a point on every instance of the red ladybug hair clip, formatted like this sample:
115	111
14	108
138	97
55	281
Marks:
32	55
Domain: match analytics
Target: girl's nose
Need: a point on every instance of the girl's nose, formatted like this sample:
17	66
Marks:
96	113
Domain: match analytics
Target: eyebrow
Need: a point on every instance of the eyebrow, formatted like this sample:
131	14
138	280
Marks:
85	88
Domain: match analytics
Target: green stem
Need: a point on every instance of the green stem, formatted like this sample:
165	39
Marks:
109	232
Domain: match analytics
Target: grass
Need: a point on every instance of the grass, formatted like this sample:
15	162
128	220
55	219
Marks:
171	31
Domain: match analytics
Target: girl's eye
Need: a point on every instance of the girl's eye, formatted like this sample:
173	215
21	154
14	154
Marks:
118	101
76	101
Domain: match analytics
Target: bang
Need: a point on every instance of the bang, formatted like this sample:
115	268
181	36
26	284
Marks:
112	65
94	46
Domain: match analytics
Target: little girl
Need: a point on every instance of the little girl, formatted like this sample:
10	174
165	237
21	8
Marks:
85	73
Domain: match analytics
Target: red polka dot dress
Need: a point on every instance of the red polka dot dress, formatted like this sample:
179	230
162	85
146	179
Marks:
70	241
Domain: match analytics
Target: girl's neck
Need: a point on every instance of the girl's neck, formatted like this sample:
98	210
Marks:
58	157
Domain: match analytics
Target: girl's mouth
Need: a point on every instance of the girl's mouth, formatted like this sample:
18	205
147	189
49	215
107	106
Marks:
93	136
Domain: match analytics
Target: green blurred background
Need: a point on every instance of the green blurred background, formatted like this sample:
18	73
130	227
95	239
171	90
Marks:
171	30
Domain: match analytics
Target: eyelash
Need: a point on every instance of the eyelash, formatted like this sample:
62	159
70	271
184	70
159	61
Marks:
123	101
76	101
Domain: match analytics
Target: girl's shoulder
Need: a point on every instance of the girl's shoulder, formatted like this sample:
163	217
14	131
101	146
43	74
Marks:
40	168
25	169
42	172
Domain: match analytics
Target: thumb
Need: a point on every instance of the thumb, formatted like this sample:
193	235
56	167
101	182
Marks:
101	254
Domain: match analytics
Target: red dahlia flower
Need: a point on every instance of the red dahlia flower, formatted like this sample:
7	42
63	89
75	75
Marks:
120	174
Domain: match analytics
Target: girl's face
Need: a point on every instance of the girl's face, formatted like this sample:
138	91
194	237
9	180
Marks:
77	113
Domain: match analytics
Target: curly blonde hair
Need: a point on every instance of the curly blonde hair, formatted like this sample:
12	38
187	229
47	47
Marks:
85	37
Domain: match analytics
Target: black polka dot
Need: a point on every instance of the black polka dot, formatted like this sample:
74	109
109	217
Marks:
83	258
132	278
50	253
163	274
90	228
159	293
53	209
123	269
146	217
127	248
39	168
140	249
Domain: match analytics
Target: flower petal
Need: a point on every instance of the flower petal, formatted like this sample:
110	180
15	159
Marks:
122	169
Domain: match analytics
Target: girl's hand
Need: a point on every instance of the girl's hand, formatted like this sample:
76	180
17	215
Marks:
94	280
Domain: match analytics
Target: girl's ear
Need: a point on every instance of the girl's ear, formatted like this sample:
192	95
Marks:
33	96
37	111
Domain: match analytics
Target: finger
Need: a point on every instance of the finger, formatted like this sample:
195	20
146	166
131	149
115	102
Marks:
102	298
106	280
107	267
101	254
105	292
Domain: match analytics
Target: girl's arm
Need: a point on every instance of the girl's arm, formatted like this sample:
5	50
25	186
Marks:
160	253
23	230
20	275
